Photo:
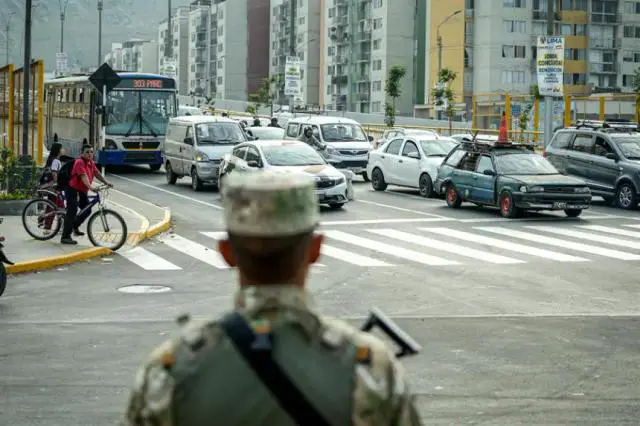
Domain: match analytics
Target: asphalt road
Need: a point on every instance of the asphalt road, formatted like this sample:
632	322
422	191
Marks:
532	321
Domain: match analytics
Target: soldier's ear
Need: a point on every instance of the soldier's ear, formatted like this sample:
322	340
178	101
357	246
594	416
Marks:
225	250
315	246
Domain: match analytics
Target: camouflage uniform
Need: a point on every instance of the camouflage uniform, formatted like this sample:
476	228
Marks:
183	385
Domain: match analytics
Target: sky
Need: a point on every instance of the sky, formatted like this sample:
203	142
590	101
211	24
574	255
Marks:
121	20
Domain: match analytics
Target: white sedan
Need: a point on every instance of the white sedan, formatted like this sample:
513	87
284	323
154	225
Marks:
333	187
410	161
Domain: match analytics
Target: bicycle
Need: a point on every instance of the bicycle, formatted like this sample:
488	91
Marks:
51	217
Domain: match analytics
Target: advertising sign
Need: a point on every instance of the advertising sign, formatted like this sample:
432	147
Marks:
550	66
292	84
61	63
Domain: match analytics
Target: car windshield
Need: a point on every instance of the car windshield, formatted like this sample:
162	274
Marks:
267	133
292	155
219	133
342	132
140	112
629	145
524	164
437	148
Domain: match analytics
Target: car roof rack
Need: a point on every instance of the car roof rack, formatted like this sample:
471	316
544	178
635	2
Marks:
484	145
614	125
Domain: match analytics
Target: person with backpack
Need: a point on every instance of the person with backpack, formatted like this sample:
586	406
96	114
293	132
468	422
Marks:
49	180
77	178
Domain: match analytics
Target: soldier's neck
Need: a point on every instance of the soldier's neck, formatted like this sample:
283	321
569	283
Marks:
298	281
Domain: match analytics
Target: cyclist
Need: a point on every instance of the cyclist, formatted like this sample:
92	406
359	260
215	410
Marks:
76	193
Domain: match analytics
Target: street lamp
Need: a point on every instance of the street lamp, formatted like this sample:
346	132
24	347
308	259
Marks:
439	42
63	11
99	32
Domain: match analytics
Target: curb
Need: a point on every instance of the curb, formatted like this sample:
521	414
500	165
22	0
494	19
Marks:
133	238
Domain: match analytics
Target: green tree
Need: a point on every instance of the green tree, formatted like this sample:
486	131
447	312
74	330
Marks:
443	94
266	94
525	113
393	90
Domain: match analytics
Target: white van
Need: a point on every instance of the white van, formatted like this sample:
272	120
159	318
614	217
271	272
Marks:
348	145
194	146
185	110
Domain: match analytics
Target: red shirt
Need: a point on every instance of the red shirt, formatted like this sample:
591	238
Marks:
82	167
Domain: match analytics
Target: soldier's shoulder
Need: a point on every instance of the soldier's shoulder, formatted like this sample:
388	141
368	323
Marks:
361	339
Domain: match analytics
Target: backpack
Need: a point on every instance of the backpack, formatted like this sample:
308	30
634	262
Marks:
46	176
64	174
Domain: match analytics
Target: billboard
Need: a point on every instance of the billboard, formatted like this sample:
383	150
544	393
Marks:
292	83
550	66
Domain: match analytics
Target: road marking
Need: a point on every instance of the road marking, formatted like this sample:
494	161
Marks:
561	243
195	250
539	219
147	260
389	249
588	236
444	246
403	194
175	194
400	208
615	231
350	257
506	245
330	251
377	221
632	226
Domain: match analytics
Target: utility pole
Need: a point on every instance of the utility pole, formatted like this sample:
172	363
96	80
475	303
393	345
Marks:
7	29
548	100
168	49
99	33
63	12
439	42
26	78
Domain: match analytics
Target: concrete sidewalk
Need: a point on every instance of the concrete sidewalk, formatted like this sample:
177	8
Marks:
143	219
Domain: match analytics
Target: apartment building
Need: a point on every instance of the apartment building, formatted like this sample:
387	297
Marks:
297	31
492	44
199	46
134	56
176	62
361	41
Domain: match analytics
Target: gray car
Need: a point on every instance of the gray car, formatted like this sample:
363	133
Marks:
605	154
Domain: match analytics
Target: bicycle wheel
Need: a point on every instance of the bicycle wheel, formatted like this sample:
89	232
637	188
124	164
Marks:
109	236
3	278
41	220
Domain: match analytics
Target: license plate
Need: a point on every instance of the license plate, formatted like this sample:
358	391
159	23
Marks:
320	195
559	205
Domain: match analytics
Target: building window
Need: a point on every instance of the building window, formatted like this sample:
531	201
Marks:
514	51
375	107
331	70
632	7
220	48
515	3
331	50
220	80
220	30
329	89
376	86
301	20
332	12
627	79
513	77
377	23
377	43
377	65
377	4
511	26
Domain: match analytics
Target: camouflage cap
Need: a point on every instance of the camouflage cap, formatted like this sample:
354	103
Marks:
270	204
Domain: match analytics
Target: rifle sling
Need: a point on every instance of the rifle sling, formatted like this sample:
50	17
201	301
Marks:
270	373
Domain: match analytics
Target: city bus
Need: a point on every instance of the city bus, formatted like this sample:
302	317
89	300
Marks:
136	117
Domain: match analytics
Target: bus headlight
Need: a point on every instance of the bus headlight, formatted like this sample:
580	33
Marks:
110	144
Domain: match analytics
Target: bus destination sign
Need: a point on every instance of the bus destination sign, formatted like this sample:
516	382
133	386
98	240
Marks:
146	83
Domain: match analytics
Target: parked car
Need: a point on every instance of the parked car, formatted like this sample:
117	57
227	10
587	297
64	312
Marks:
194	146
266	133
332	186
605	154
398	132
511	177
410	161
468	137
347	144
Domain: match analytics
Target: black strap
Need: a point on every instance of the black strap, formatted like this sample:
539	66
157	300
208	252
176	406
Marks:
270	373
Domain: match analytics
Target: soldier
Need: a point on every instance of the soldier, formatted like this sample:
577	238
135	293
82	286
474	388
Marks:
299	367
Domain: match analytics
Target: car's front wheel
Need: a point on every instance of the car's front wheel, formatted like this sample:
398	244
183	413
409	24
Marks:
425	186
626	197
573	212
377	180
508	208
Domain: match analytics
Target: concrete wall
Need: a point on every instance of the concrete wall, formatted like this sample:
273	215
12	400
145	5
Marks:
258	19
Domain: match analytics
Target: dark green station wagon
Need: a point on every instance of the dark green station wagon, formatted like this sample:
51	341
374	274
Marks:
512	177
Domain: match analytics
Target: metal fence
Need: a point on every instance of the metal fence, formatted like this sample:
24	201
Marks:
12	104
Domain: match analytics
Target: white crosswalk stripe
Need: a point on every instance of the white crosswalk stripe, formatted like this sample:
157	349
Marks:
420	244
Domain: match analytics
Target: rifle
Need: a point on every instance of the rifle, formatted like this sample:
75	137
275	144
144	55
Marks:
407	345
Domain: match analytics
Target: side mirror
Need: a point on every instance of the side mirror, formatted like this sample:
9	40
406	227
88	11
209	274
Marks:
254	164
489	173
370	138
188	141
414	154
611	156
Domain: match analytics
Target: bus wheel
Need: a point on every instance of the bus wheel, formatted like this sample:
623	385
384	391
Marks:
155	167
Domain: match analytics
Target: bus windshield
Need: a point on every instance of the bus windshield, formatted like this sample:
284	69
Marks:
140	112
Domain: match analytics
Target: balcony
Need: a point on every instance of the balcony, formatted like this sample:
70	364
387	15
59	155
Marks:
364	56
339	79
363	96
605	18
604	43
603	68
541	15
468	62
341	21
340	60
362	77
468	13
363	36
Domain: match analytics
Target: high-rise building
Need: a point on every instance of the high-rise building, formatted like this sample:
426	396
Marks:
134	56
492	45
296	31
199	46
175	64
361	41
